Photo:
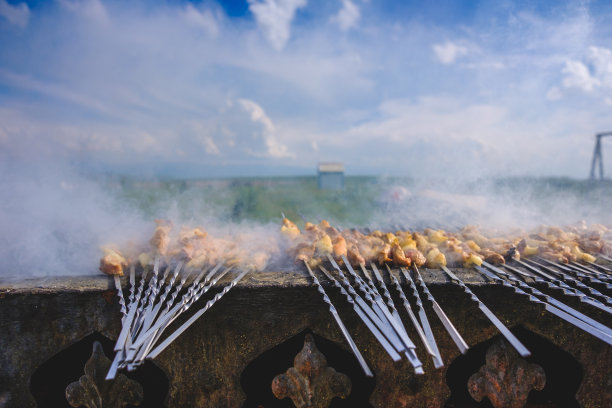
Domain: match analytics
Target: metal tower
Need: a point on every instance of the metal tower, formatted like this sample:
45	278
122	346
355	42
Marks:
597	156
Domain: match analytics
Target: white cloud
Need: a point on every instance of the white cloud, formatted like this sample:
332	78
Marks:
578	75
592	74
348	16
273	147
18	14
201	18
274	17
448	52
601	58
90	9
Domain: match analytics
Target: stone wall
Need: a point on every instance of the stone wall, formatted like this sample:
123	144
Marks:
230	356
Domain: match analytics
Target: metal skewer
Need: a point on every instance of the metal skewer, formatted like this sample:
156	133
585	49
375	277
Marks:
195	317
410	312
345	333
600	267
132	283
149	298
384	328
557	284
117	280
197	289
550	304
437	358
388	298
522	350
124	335
561	271
378	304
364	318
152	313
146	341
127	324
590	270
452	331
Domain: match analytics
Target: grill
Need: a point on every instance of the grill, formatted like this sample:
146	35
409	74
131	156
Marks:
392	318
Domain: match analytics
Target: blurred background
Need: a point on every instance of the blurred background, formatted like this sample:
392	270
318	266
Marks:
226	113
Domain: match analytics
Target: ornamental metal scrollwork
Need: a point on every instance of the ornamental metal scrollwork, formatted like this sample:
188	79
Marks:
93	391
311	383
505	379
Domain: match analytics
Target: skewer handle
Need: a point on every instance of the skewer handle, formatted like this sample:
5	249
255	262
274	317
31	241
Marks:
195	317
516	343
343	329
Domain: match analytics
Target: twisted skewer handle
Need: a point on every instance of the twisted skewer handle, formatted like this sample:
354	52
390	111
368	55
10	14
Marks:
448	325
343	329
120	295
132	283
195	317
522	350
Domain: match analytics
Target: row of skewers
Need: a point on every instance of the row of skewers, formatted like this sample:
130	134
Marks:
160	298
549	258
179	268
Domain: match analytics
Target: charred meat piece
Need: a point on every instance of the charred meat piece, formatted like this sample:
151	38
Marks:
339	246
384	255
112	263
416	257
161	238
399	257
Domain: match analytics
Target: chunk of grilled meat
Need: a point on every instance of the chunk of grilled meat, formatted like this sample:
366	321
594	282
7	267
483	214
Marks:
112	263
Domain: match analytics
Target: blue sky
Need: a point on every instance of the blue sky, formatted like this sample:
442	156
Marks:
272	87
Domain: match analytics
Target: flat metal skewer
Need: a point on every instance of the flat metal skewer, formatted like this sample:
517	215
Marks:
437	358
152	312
522	350
554	283
450	328
564	272
364	318
592	275
140	349
550	304
384	328
196	291
345	333
149	298
132	282
561	305
602	268
127	324
124	335
117	280
410	312
195	317
388	300
380	307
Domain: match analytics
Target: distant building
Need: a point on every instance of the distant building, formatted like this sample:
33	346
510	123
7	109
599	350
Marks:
331	176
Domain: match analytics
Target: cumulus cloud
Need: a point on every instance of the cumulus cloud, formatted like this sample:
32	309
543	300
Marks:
578	75
19	14
448	52
151	85
274	17
348	16
201	18
592	74
273	148
90	9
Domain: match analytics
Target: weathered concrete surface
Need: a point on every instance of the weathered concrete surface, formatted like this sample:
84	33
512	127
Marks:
40	318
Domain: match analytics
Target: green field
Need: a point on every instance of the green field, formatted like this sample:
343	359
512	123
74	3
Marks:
370	200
